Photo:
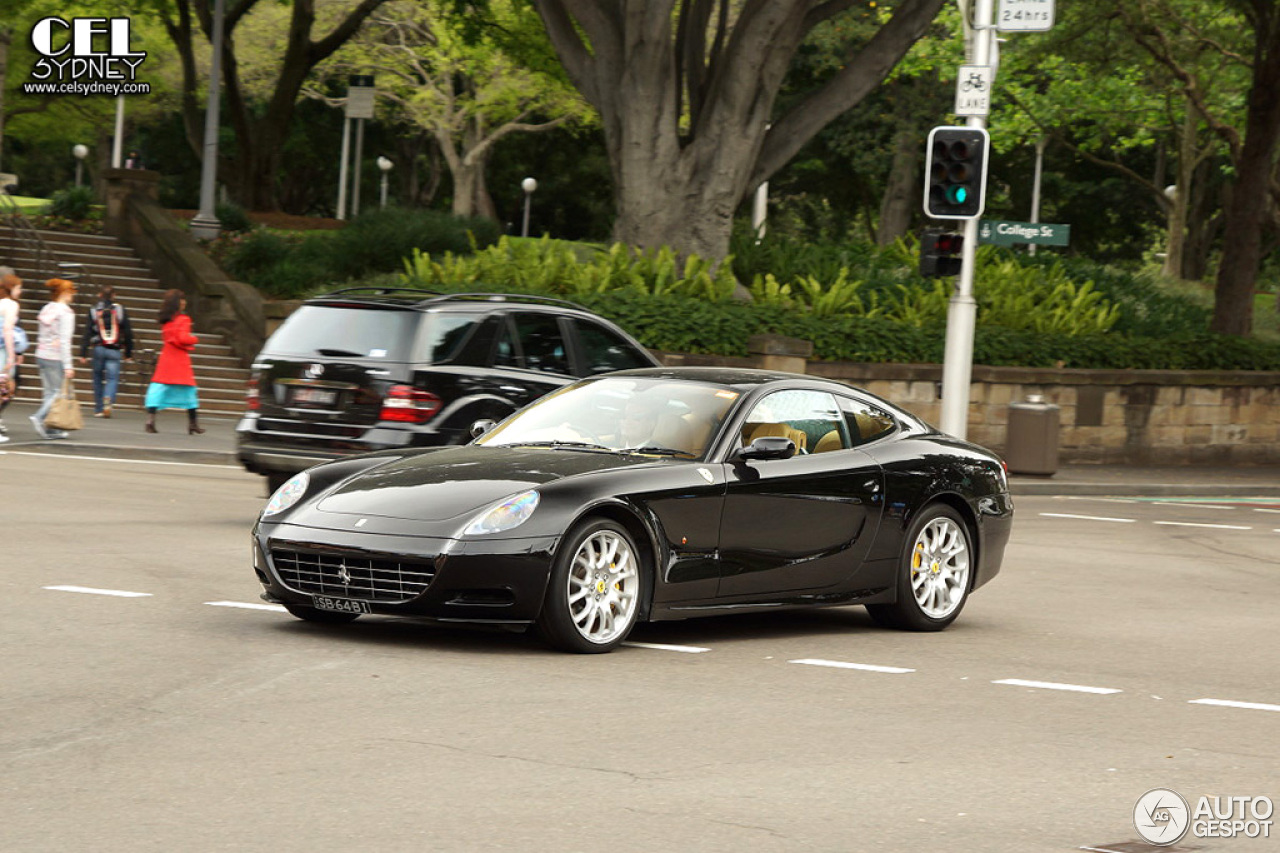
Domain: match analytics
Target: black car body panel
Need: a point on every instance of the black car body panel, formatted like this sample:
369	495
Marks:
719	533
322	381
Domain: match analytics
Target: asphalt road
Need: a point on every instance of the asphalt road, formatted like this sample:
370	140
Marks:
184	716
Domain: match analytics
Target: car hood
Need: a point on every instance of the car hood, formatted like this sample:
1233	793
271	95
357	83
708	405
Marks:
442	484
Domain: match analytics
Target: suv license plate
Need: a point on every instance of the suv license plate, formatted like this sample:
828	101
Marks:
314	396
339	605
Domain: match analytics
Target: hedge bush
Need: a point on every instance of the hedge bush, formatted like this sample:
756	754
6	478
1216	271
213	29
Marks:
288	265
1040	314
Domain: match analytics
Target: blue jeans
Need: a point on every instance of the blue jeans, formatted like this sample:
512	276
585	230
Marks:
51	375
106	376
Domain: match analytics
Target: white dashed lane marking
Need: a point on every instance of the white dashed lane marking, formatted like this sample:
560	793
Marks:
1211	526
1053	685
1228	703
667	647
839	664
120	593
246	605
1088	517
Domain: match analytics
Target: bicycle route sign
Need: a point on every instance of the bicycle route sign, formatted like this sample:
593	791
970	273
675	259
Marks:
973	91
997	232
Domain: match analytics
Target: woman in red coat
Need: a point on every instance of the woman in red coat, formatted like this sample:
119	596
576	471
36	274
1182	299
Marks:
173	385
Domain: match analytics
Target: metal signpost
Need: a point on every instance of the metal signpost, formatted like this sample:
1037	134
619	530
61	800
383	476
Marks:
973	102
360	96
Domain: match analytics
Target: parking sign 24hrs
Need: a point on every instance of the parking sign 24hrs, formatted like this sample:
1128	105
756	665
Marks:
85	56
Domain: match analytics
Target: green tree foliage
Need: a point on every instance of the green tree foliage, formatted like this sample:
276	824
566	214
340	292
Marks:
459	83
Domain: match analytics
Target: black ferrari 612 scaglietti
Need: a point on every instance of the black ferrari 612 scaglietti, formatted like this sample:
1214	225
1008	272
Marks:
650	494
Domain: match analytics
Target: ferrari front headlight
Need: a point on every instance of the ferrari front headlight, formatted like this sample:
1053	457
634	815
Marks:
506	515
287	495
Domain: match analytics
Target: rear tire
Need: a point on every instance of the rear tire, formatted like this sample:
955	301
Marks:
935	573
597	587
323	617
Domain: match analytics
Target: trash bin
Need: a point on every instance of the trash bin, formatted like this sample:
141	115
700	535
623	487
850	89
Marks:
1031	445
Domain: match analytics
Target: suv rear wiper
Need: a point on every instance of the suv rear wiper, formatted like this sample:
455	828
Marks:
338	353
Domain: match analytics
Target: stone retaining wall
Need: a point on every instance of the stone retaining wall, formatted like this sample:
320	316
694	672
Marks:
1146	417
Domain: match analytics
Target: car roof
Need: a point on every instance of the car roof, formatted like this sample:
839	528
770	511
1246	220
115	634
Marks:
738	378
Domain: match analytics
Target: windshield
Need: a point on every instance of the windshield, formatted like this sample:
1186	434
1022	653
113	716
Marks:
345	332
623	414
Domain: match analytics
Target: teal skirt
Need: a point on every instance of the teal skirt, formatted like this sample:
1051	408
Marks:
161	396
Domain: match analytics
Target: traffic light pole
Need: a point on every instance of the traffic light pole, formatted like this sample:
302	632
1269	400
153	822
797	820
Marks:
962	313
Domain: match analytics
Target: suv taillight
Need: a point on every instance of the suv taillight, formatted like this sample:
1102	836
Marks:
407	404
252	397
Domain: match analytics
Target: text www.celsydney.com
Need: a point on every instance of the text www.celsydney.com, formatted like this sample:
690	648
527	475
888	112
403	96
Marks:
90	87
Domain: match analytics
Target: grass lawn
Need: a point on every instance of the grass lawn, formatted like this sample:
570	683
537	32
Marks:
28	205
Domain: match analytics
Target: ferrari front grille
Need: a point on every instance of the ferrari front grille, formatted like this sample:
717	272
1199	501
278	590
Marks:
383	578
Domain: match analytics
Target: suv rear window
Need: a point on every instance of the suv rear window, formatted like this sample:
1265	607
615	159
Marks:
346	332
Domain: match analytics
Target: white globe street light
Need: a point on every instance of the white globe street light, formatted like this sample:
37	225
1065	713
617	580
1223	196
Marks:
80	152
528	185
385	165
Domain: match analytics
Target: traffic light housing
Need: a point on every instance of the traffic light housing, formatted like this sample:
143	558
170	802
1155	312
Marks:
955	172
940	252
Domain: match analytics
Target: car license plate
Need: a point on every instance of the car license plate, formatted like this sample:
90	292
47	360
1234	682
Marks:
339	605
314	396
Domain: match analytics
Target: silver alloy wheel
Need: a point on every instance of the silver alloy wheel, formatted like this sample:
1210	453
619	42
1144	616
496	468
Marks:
604	587
940	567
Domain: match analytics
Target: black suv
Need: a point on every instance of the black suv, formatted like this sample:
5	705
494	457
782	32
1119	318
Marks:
370	369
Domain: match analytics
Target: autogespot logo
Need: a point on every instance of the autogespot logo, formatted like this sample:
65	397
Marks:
1161	817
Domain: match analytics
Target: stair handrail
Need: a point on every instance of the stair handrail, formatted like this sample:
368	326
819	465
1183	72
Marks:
26	234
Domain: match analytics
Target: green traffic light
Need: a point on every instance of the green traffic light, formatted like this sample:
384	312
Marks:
957	194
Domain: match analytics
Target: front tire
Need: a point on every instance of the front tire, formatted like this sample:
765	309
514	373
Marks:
596	589
935	574
323	617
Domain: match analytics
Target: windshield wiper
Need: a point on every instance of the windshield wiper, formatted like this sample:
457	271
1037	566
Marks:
338	353
572	445
654	450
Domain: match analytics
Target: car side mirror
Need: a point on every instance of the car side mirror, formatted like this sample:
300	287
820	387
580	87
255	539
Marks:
482	426
767	447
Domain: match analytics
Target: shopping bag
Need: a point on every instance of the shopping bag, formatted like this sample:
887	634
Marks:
65	412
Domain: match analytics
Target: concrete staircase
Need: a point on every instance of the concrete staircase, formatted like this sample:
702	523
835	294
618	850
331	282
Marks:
104	260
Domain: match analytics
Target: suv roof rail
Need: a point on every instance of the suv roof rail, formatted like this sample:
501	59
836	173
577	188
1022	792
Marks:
502	297
377	291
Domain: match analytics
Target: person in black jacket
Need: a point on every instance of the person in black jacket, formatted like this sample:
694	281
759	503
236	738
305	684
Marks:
108	337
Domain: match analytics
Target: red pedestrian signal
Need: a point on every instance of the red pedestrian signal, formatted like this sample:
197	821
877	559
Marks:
940	252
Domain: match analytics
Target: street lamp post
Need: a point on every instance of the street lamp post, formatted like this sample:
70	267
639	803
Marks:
205	224
80	152
528	185
385	165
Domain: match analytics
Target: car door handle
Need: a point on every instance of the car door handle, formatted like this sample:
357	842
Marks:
872	485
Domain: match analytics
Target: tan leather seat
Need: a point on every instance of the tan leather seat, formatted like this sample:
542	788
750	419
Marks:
830	441
751	432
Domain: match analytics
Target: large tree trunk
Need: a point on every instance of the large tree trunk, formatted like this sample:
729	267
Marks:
685	92
901	194
1247	212
6	36
251	174
1181	201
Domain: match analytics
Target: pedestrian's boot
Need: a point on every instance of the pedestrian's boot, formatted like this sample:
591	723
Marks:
151	422
193	423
